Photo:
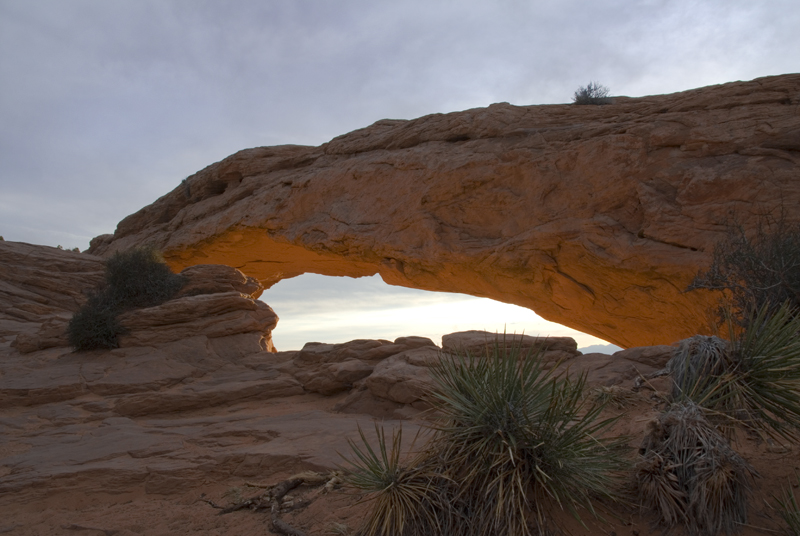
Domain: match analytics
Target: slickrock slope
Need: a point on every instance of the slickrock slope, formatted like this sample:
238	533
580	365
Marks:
215	313
149	438
40	288
596	217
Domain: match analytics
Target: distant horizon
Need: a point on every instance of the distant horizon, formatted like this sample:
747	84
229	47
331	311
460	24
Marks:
334	310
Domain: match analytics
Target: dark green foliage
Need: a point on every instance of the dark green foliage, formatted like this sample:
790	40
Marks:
520	441
409	498
689	475
593	93
140	278
757	269
135	278
514	442
753	380
95	325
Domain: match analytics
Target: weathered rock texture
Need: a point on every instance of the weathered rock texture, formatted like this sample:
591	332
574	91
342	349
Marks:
40	289
175	415
596	217
217	309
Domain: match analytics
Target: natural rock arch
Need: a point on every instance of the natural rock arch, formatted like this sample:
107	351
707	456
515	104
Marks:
596	217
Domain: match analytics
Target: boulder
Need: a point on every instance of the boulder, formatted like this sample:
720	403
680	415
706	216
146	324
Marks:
332	368
217	302
217	278
596	217
482	343
213	315
652	356
404	378
42	287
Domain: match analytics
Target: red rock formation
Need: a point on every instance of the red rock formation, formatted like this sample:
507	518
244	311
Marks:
596	217
42	287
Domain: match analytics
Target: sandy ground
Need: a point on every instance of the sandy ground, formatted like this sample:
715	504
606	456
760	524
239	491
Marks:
188	511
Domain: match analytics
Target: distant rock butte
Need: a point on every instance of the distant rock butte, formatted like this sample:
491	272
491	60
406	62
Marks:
596	217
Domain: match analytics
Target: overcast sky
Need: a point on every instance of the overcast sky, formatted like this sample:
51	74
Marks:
107	105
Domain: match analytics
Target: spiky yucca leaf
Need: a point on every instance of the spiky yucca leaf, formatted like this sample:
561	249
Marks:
769	351
518	439
405	496
754	380
789	508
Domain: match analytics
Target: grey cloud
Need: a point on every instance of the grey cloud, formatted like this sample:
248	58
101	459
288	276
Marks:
110	104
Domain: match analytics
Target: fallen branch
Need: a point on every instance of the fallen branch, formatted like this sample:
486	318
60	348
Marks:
212	503
273	496
253	503
285	487
281	527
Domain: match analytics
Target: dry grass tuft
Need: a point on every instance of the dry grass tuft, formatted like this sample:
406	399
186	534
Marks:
690	476
614	395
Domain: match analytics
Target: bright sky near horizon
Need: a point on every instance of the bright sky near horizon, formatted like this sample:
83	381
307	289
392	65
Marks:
315	308
106	106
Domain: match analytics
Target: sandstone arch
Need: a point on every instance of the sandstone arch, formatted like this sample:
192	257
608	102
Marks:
596	217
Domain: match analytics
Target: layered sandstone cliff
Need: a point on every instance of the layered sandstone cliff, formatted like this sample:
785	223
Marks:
596	217
217	310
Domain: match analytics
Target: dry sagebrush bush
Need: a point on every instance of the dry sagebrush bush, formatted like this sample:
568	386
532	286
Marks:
592	93
135	278
757	268
140	278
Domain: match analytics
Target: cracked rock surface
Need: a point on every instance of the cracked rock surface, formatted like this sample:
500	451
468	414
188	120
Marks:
595	217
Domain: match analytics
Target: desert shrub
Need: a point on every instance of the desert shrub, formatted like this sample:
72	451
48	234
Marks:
754	380
139	277
757	269
408	498
135	278
592	93
689	475
95	325
789	509
520	441
514	442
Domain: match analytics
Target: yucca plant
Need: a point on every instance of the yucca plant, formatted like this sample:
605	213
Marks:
518	440
689	475
406	496
789	509
754	380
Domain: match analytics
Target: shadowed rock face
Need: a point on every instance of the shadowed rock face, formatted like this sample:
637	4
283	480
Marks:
596	217
216	312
